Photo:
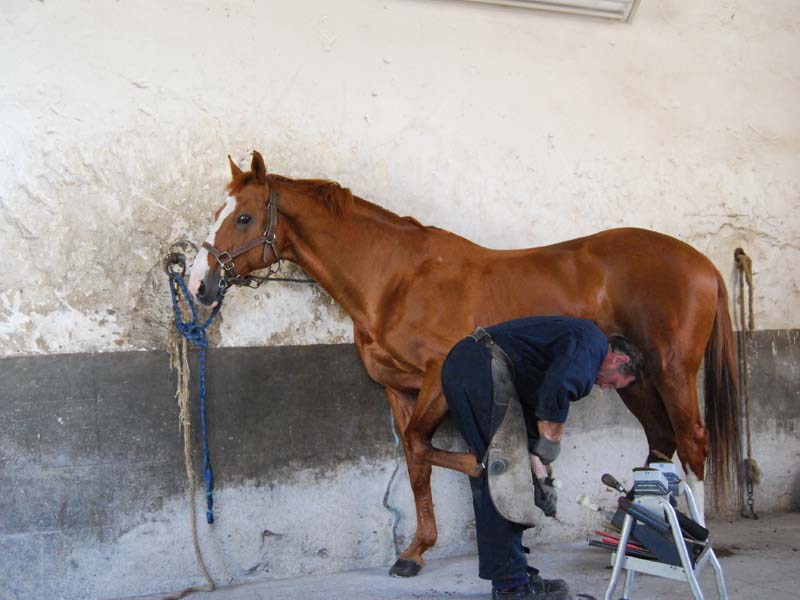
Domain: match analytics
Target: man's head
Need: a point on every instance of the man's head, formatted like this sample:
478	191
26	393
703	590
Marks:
621	365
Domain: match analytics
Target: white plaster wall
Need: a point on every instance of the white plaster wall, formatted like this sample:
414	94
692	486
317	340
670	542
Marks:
511	127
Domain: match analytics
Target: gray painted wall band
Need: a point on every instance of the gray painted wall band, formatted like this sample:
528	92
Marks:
90	446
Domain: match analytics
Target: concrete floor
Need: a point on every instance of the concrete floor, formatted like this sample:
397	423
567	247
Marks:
760	559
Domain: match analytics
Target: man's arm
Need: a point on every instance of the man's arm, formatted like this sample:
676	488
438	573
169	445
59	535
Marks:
569	377
551	408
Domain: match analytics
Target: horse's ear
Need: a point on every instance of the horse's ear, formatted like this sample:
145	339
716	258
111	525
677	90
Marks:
258	168
235	170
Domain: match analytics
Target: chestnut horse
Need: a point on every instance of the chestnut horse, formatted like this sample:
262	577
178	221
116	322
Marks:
413	291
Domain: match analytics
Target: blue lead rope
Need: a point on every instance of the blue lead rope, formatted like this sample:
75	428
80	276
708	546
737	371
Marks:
196	335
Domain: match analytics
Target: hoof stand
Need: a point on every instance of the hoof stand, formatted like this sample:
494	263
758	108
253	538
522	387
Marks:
405	568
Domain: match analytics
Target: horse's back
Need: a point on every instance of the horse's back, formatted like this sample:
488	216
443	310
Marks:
627	279
658	290
613	244
621	257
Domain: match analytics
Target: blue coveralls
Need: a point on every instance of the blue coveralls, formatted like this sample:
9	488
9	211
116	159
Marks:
556	361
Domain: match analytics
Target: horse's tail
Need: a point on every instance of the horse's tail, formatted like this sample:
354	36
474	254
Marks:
722	403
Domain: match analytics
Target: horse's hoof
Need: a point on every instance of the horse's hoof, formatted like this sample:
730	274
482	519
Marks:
405	568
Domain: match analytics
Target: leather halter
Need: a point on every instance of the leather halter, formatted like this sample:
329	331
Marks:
225	259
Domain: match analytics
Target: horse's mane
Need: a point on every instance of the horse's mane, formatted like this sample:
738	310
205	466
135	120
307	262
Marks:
337	199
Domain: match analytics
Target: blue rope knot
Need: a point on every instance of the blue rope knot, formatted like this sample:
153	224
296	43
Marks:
195	334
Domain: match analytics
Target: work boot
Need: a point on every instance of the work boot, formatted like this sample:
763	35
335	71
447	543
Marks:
526	592
536	589
546	585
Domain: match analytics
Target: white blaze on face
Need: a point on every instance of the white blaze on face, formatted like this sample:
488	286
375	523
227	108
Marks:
200	267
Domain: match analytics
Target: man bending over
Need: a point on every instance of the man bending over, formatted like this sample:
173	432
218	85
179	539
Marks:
552	361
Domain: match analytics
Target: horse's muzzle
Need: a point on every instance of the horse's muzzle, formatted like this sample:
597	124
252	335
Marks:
208	292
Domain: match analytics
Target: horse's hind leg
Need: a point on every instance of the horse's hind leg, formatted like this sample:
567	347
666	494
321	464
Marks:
644	401
670	416
678	390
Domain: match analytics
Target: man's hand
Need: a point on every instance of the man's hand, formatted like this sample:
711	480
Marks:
545	497
551	430
546	450
548	446
537	467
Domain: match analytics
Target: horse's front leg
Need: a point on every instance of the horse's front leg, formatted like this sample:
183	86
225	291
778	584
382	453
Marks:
417	424
419	474
429	412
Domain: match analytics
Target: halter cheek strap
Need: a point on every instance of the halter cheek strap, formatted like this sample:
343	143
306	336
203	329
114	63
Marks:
268	238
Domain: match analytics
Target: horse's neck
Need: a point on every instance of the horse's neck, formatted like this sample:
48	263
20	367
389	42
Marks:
354	256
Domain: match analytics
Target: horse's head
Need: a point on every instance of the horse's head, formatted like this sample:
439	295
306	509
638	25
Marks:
243	237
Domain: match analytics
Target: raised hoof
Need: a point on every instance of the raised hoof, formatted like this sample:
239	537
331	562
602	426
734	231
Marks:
405	568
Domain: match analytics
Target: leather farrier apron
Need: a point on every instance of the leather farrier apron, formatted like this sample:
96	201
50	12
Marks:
507	464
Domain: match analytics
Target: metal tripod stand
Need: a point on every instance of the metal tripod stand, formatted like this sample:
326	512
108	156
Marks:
653	509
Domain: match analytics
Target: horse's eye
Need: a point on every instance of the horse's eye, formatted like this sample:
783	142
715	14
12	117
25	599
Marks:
244	219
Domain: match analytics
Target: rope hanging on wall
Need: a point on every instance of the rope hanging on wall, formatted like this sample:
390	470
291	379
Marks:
180	334
744	269
192	331
396	516
178	362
